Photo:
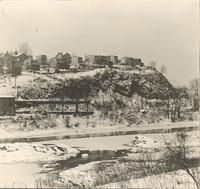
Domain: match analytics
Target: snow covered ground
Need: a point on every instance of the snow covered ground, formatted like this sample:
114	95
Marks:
8	87
20	162
77	75
177	180
11	128
18	175
7	83
110	142
141	143
25	152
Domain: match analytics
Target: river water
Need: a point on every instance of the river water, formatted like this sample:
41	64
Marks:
95	149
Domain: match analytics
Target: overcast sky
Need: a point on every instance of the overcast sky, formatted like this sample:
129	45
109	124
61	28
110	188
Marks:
164	31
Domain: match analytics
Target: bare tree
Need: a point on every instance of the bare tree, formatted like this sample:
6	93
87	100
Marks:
177	102
178	157
194	86
195	92
25	48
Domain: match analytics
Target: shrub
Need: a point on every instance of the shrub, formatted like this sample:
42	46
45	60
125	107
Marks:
178	157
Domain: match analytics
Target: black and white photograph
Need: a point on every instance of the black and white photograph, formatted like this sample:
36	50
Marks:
100	94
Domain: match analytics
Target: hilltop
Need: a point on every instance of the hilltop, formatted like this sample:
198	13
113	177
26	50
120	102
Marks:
146	82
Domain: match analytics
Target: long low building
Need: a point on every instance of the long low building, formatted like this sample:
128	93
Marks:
101	59
131	61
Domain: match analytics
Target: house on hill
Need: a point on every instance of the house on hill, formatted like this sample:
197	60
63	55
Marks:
129	61
13	63
67	59
101	60
112	58
60	61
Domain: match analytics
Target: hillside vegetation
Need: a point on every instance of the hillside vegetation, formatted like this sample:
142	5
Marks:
148	83
112	92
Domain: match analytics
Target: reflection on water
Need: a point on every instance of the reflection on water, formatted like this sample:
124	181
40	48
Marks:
87	156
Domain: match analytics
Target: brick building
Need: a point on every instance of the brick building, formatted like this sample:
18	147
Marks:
113	59
129	61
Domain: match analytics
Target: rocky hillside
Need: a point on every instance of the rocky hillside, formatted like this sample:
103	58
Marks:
146	82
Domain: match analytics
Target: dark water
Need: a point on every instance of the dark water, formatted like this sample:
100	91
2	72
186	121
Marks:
52	170
90	156
85	156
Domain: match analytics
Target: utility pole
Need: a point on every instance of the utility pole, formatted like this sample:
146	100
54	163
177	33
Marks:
63	89
15	81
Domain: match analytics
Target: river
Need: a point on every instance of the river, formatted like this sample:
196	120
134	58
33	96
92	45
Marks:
94	149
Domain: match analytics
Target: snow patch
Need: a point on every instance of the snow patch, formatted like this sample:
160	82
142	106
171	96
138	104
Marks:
25	152
140	142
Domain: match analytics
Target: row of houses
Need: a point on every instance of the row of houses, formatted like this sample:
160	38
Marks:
104	60
13	63
66	61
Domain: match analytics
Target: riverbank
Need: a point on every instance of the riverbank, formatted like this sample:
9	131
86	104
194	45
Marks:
70	133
